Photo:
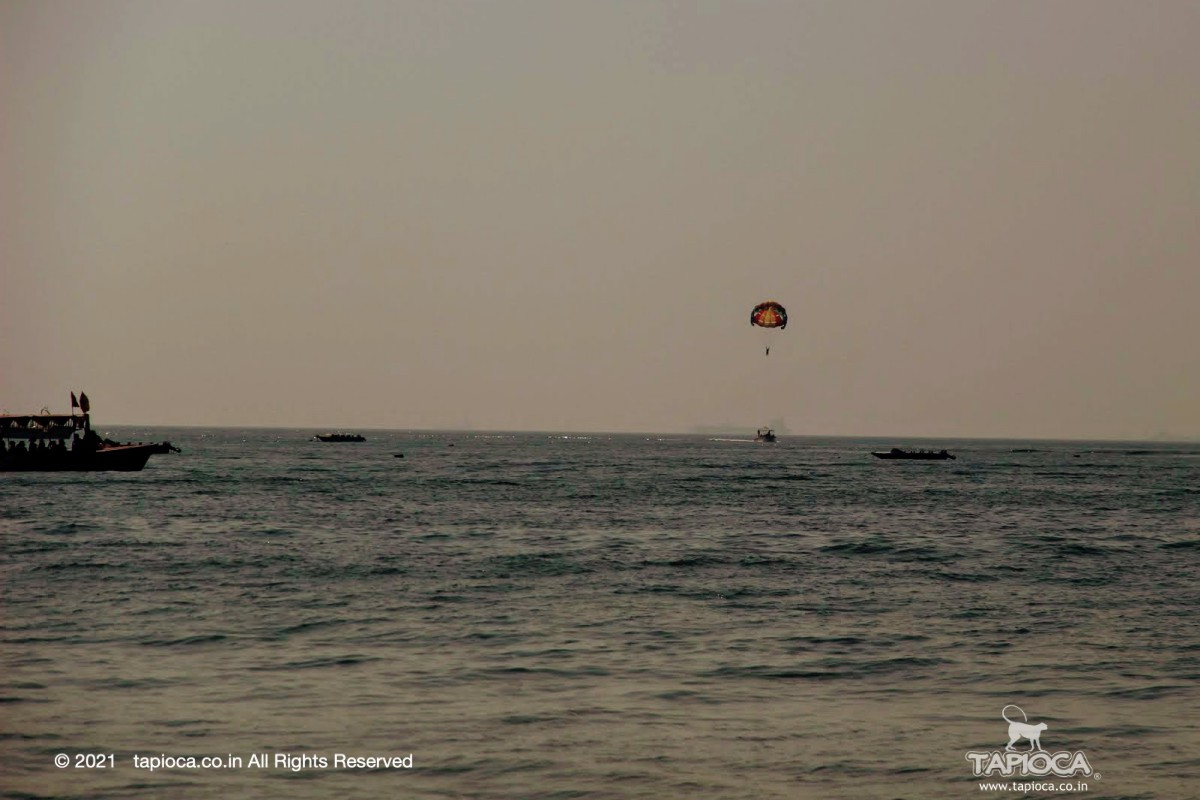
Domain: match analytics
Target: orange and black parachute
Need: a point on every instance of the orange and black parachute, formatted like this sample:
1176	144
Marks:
769	315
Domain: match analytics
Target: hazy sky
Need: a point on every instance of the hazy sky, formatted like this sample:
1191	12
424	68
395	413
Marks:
983	217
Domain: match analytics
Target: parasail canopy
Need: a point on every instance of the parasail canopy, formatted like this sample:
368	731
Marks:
769	315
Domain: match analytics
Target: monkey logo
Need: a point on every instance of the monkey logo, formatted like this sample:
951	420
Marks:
1022	730
1034	762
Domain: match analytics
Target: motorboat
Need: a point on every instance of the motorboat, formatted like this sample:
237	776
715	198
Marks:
46	442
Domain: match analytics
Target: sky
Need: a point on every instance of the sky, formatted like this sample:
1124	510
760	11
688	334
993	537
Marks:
981	216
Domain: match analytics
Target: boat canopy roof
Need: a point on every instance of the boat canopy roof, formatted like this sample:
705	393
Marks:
22	425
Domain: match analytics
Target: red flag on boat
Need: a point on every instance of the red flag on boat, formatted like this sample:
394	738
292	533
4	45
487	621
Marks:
84	405
74	402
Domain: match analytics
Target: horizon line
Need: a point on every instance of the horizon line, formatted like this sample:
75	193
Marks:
1160	439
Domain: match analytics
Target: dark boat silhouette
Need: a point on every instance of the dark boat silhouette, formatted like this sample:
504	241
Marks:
48	442
764	435
917	455
339	437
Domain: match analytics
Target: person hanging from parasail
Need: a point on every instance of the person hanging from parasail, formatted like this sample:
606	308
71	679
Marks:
768	315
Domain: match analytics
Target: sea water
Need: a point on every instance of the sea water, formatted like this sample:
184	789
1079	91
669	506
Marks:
598	616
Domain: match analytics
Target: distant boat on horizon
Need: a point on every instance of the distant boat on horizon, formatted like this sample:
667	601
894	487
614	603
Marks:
915	455
339	437
729	429
764	435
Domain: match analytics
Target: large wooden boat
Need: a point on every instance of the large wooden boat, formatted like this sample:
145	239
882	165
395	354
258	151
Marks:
48	442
